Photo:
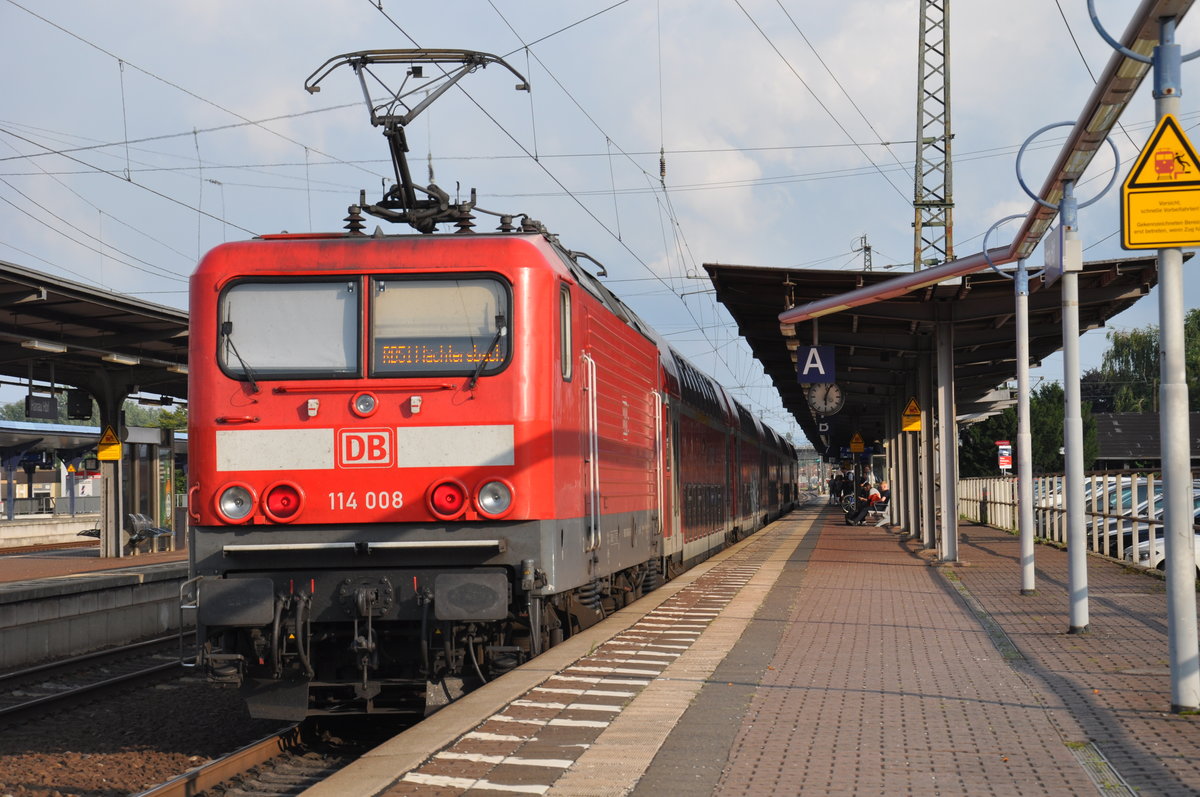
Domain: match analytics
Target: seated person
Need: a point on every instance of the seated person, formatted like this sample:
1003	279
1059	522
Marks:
881	506
868	496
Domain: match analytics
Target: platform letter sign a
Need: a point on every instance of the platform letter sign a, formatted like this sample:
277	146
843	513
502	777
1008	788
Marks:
814	365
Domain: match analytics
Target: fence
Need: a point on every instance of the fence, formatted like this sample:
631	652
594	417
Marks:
1123	510
47	505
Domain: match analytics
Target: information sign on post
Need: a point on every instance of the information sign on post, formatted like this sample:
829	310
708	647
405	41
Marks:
815	365
910	418
1160	201
44	407
109	448
1004	455
1064	253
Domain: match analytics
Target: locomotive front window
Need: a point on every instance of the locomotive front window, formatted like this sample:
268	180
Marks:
439	326
298	329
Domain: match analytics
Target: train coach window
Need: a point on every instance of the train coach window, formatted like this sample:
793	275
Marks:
566	354
440	326
289	329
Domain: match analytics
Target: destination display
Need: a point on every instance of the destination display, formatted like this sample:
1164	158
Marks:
435	354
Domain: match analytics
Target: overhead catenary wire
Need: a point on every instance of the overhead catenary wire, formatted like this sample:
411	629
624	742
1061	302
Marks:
161	79
139	185
558	181
117	219
842	88
38	220
818	100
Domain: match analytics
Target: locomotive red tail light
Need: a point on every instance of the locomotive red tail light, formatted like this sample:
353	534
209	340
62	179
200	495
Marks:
494	498
282	502
235	503
448	499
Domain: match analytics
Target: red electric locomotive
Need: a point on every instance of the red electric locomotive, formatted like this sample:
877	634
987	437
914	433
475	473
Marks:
417	460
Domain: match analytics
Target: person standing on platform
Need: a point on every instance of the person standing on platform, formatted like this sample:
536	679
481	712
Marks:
835	488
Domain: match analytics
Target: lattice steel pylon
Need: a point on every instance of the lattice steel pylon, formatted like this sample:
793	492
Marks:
933	191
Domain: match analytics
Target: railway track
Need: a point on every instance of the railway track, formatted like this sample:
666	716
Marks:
283	763
48	548
59	684
228	767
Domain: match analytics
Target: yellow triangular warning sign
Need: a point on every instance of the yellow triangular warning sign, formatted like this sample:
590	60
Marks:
911	408
109	438
1167	161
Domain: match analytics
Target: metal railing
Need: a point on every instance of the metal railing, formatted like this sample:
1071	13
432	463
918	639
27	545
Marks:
1123	510
48	505
38	505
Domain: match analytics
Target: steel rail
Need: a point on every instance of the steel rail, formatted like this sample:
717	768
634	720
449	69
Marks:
62	664
18	550
221	769
19	709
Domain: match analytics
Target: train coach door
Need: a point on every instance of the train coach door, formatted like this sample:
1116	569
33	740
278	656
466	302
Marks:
662	464
591	451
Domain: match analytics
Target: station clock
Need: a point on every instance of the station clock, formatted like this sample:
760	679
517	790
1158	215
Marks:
826	398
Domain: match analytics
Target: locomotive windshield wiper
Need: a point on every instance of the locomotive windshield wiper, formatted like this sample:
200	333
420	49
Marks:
226	332
501	331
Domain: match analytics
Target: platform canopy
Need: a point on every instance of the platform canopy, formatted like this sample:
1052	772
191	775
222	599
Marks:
71	334
877	345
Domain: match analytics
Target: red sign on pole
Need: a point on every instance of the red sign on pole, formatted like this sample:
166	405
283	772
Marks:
1004	454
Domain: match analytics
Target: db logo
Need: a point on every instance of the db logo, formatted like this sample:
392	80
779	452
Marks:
364	448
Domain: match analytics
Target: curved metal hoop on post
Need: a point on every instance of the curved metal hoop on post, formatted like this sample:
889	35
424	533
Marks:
1122	49
1020	180
988	257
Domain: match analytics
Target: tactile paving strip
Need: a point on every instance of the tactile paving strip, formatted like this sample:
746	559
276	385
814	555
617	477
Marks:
526	747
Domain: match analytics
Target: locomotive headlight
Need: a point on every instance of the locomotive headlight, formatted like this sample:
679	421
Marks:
364	404
236	502
494	498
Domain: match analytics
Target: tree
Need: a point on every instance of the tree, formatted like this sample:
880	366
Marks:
977	454
1095	389
1047	408
176	418
1131	366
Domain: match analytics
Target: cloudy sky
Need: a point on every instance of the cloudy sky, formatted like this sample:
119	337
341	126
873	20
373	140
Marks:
135	136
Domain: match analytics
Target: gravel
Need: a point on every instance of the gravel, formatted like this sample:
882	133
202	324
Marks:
125	744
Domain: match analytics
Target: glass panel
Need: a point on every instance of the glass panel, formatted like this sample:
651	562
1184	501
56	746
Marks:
289	328
439	326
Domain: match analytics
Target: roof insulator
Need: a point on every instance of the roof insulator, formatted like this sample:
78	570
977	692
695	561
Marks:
354	221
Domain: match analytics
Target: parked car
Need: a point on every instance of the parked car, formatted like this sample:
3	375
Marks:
1159	560
1114	495
1143	520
